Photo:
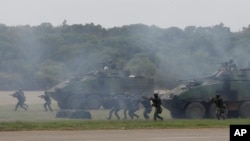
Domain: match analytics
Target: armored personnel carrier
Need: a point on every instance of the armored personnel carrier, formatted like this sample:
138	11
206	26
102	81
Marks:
191	99
97	88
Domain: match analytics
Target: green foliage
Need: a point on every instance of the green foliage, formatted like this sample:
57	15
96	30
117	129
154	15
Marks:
49	73
131	124
147	69
168	55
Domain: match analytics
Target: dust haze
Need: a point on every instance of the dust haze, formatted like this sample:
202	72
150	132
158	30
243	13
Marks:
175	53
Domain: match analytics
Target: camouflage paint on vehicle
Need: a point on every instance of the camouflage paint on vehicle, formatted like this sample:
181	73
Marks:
191	100
96	89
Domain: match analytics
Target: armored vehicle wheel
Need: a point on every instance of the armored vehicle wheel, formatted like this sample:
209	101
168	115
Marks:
195	110
212	111
244	110
76	102
94	102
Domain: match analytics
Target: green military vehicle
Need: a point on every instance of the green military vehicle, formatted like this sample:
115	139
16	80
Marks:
191	99
96	89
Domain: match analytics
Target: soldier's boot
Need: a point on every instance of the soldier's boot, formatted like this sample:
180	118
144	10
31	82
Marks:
130	115
25	105
146	116
125	114
161	118
110	114
222	116
116	113
109	118
118	117
16	107
50	109
137	117
155	118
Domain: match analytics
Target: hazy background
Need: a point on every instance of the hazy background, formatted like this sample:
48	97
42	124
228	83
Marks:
110	13
43	42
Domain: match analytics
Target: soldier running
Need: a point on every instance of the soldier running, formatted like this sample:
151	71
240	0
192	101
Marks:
132	107
147	107
47	103
115	108
21	100
157	104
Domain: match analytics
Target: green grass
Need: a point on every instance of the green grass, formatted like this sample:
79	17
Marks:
121	125
36	119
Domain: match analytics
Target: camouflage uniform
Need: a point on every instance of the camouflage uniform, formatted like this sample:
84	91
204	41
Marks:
129	104
124	103
21	100
157	104
132	107
115	109
220	108
147	107
47	103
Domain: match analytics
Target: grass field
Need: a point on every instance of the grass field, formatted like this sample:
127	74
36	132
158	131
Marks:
35	118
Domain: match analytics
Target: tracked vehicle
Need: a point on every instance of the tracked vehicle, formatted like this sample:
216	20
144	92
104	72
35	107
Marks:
97	89
191	99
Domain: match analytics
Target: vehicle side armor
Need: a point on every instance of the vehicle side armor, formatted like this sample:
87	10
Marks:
191	100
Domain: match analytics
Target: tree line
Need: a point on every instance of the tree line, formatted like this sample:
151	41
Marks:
37	57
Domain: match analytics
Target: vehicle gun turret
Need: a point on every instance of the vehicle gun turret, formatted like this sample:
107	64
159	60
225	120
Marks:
189	100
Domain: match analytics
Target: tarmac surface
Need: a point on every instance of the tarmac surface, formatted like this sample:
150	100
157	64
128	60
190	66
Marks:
211	134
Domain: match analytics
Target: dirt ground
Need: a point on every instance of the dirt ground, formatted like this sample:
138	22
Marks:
106	135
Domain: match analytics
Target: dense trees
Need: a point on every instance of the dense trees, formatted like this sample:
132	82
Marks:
36	57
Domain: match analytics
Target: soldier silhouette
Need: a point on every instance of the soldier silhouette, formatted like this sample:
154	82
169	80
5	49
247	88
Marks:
21	100
220	107
157	104
47	104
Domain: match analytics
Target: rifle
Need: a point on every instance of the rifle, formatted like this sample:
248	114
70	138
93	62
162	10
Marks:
14	94
148	98
11	95
41	96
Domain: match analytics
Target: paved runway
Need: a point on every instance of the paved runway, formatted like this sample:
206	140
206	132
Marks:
211	134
